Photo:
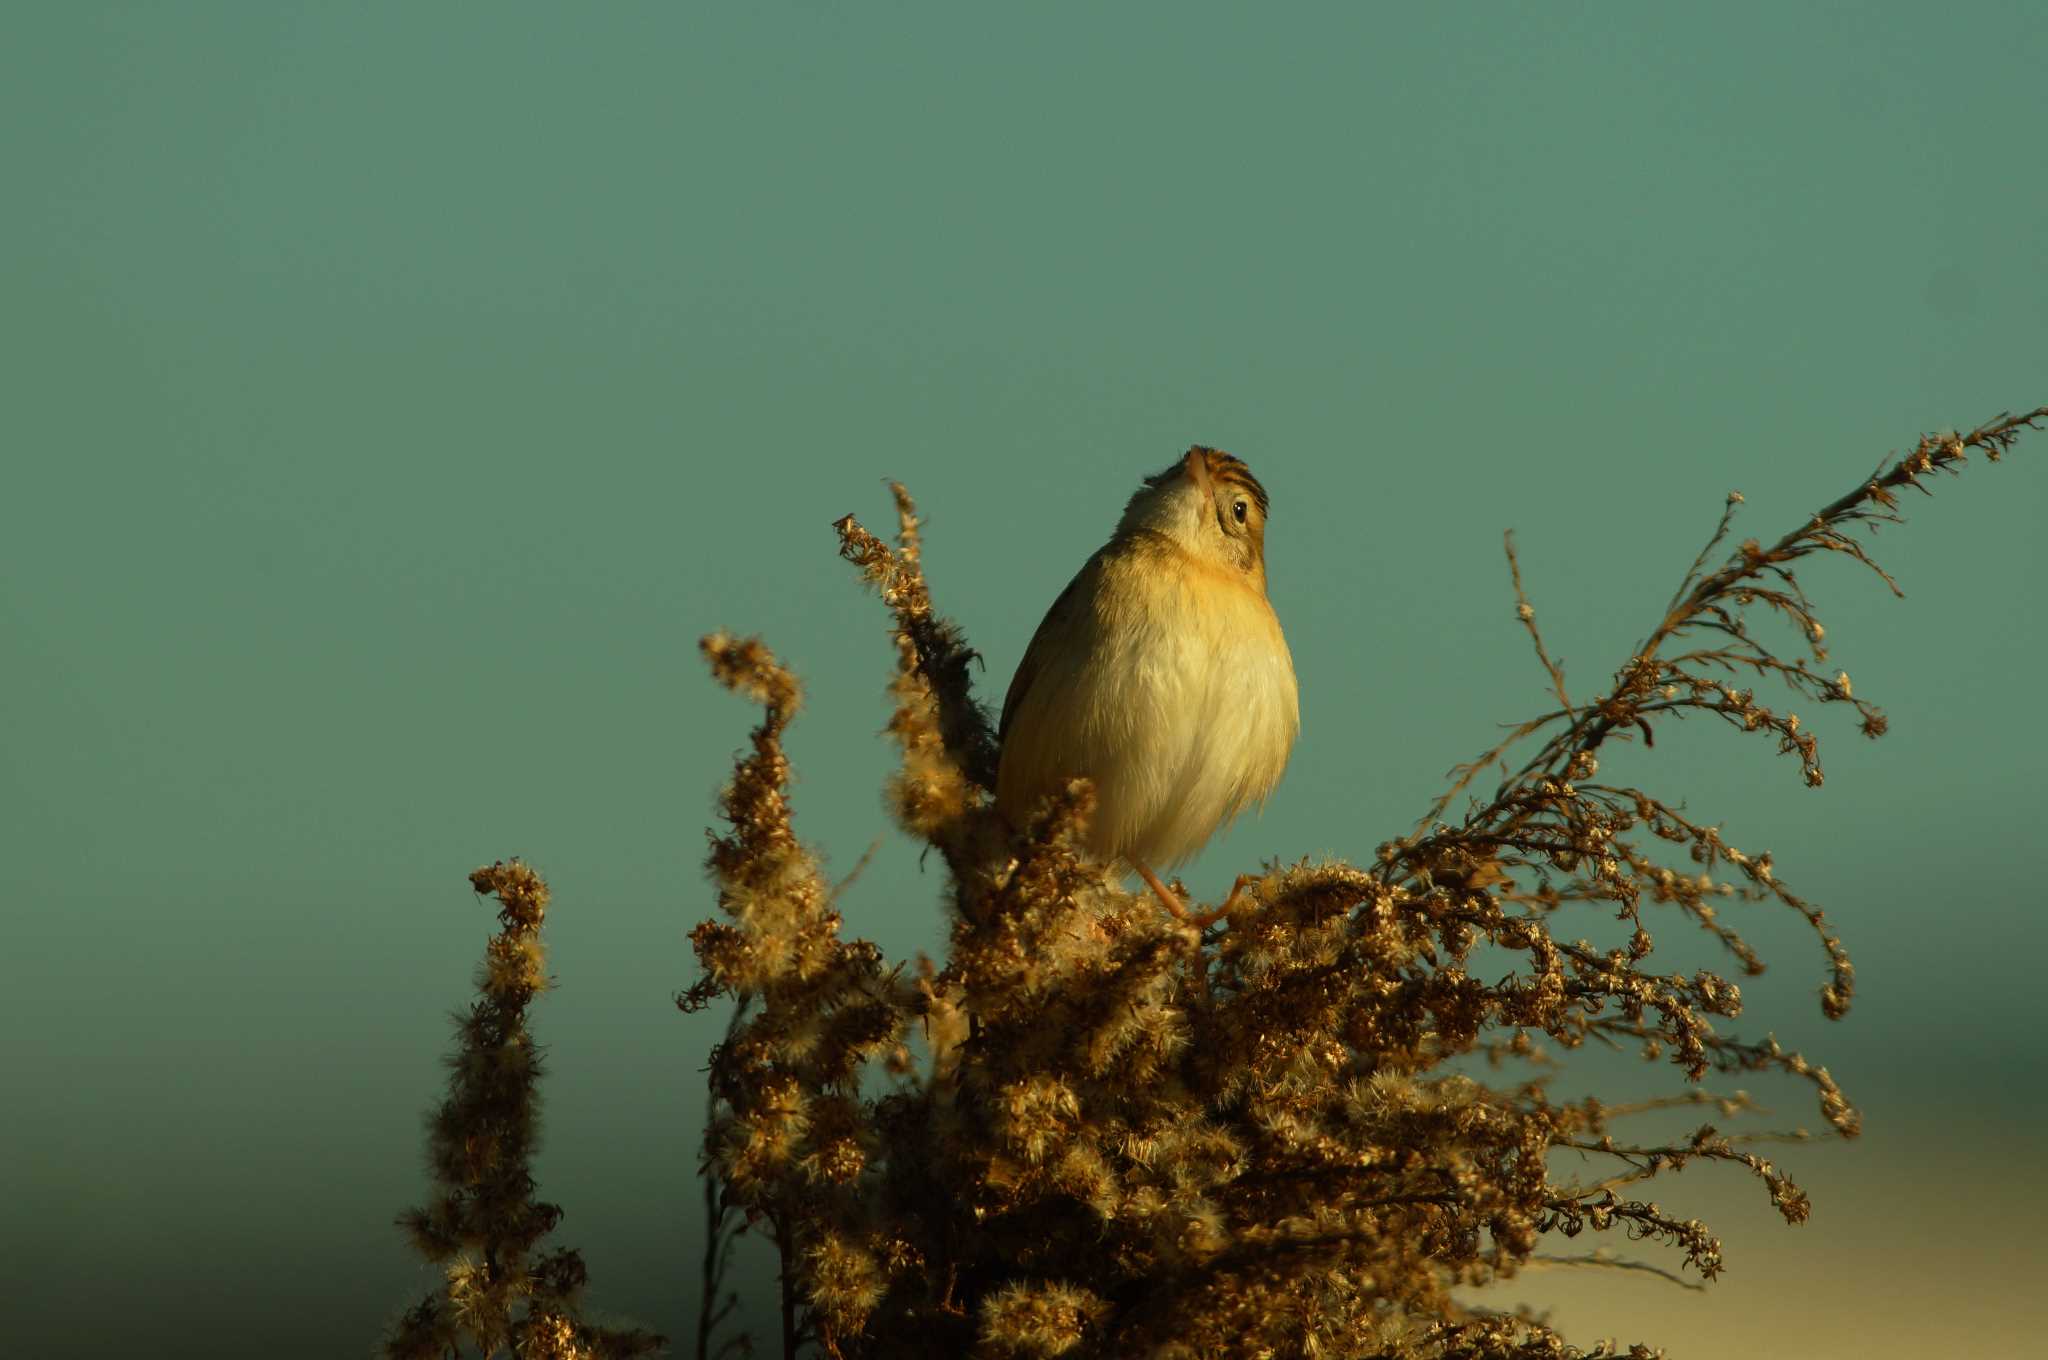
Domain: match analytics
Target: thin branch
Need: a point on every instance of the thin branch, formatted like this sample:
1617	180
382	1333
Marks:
1603	1261
1526	612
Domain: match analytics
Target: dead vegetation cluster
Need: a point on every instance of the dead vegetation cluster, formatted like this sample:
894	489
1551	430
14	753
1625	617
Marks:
1094	1130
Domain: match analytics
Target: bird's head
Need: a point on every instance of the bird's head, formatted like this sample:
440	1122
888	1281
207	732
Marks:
1209	504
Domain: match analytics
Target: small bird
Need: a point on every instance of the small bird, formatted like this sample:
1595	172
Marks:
1160	673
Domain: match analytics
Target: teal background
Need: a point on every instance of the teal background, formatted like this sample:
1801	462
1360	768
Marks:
394	393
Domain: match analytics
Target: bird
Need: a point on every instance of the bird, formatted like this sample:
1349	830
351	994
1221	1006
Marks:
1161	675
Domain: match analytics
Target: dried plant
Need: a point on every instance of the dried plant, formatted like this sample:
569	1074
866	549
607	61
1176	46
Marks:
1095	1130
483	1224
1100	1130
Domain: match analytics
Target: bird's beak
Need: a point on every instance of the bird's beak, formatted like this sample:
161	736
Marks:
1198	468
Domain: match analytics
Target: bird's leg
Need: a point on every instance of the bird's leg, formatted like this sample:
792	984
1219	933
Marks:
1165	894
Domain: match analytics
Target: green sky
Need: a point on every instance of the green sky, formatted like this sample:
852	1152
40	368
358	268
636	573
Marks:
394	393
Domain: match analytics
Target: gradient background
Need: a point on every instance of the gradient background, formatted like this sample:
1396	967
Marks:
394	393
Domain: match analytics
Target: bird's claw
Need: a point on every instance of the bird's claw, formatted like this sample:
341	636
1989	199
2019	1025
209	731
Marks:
1199	920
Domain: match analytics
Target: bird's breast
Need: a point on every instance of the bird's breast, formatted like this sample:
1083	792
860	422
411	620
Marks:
1172	688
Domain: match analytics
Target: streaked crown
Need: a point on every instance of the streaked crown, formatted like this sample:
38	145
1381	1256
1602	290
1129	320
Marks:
1224	468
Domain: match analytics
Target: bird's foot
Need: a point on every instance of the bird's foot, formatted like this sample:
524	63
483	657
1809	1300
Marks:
1167	897
1199	920
1236	891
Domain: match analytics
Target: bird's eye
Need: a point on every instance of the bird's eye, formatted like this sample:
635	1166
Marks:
1238	510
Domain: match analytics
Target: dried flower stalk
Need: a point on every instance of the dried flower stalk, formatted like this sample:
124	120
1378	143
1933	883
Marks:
483	1224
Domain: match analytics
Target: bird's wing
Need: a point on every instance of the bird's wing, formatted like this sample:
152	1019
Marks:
1042	642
